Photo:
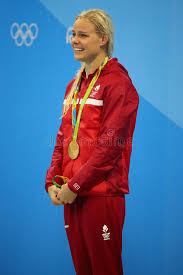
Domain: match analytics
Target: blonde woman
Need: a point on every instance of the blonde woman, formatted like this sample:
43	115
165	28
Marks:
93	148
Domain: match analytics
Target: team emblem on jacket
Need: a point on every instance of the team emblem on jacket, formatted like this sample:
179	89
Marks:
106	234
95	91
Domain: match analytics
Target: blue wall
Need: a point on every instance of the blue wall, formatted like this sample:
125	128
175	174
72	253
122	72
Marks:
148	42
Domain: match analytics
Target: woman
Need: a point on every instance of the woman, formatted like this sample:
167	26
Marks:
93	153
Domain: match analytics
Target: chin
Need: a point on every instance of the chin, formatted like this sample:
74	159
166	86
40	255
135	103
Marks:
79	58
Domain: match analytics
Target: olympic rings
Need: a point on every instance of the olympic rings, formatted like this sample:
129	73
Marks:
69	35
24	34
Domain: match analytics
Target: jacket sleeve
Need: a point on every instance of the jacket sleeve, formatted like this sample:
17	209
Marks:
57	159
120	104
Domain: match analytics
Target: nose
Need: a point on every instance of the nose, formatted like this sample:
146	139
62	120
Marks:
75	40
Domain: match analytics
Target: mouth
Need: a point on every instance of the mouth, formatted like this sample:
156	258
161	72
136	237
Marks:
78	49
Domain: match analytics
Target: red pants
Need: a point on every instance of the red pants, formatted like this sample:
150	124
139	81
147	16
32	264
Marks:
94	230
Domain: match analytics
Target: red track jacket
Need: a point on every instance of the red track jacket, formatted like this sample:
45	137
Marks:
104	137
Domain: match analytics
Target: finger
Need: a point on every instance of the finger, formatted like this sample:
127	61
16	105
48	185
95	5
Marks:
52	187
56	189
71	201
62	199
56	201
59	196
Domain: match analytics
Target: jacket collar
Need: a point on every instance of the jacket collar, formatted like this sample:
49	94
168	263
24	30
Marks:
90	76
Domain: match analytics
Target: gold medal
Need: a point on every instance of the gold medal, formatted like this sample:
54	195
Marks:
73	149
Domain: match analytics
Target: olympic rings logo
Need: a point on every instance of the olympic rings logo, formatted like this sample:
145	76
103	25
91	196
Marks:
24	34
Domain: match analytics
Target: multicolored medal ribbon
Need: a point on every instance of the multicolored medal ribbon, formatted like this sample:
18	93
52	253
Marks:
65	180
74	105
73	149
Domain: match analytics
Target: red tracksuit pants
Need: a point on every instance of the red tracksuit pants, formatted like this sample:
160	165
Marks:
94	230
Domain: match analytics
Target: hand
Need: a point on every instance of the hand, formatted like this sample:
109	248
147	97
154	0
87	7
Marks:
66	195
53	192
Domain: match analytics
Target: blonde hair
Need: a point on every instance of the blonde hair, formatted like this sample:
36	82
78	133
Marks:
104	27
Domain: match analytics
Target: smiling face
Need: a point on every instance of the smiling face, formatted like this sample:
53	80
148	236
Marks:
86	43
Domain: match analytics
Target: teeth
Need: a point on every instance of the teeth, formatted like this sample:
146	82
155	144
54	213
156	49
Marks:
77	49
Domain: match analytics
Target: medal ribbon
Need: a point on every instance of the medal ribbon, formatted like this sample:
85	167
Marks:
75	123
74	105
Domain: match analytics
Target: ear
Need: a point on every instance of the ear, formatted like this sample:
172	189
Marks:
104	40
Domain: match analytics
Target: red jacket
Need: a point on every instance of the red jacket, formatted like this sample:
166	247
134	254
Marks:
104	137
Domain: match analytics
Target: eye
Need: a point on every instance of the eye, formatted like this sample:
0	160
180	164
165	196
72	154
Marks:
83	35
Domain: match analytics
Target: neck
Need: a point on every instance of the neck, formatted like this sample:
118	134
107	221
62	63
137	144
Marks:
90	67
